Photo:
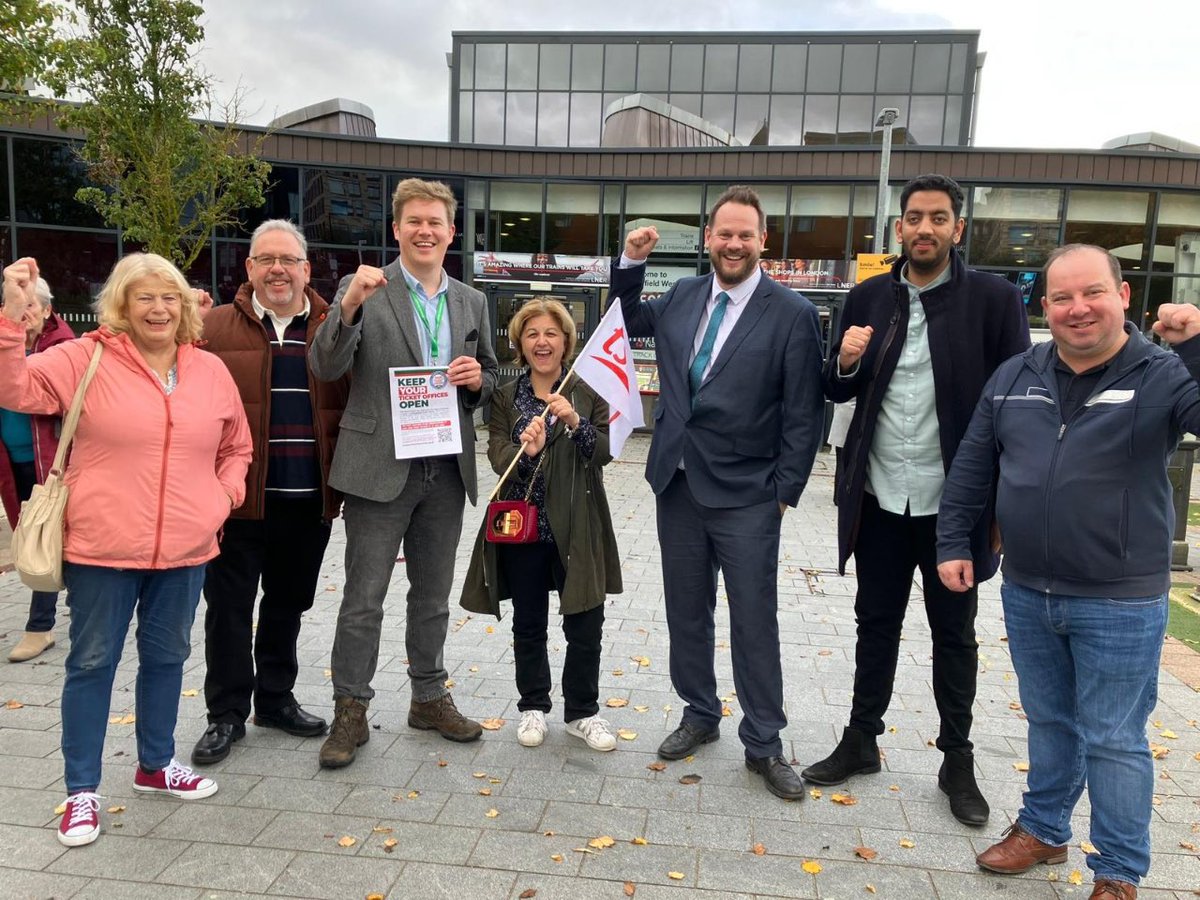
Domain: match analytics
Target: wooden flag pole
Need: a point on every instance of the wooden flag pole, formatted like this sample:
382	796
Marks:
496	490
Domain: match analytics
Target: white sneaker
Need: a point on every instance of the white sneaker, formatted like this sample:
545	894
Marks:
531	730
595	732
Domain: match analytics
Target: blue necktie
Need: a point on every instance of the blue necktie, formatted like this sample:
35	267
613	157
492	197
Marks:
700	363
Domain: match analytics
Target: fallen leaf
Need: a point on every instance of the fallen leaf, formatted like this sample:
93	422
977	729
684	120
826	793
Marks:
657	766
527	893
490	630
389	845
1052	876
492	724
1156	724
690	779
449	683
375	897
726	711
491	813
473	669
865	853
626	735
347	841
17	704
191	692
824	653
892	729
691	757
641	660
870	889
907	844
442	763
60	809
1014	705
1088	847
485	792
894	788
618	672
127	719
1076	877
381	829
1021	766
1188	845
549	833
1169	735
931	743
758	850
116	809
616	702
812	868
601	843
328	673
675	876
479	774
815	793
844	799
630	889
413	795
493	781
557	857
639	841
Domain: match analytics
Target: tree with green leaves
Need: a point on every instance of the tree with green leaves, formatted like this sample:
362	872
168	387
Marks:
164	169
27	44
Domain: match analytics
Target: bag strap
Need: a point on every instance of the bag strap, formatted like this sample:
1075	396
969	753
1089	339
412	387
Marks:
72	419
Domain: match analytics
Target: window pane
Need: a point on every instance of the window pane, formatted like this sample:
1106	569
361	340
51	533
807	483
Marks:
824	67
515	217
47	175
751	112
585	120
466	115
466	66
475	234
587	65
654	68
283	201
489	66
895	68
572	218
521	119
522	66
554	68
899	127
674	209
1014	226
788	67
689	102
620	66
720	67
858	68
687	61
862	229
456	187
818	221
754	68
787	120
820	119
489	117
1177	242
855	120
612	237
774	204
1114	220
931	69
958	67
950	132
343	206
925	120
718	109
552	120
4	207
74	263
331	265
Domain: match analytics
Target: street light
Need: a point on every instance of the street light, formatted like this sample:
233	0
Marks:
887	118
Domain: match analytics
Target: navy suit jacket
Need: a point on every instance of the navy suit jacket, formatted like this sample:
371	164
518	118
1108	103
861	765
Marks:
756	426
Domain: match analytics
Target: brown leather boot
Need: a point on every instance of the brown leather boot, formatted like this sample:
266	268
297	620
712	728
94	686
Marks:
348	732
442	716
1019	852
1107	889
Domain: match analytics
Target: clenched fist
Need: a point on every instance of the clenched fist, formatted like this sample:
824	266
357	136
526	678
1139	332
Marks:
640	242
854	345
1177	322
367	280
20	287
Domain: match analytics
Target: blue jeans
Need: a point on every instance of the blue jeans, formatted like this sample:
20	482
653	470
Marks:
1087	669
102	602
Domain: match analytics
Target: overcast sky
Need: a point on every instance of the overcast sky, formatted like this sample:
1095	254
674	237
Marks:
1059	73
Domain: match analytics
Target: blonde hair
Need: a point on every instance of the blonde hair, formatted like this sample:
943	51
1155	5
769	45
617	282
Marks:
417	189
112	306
531	309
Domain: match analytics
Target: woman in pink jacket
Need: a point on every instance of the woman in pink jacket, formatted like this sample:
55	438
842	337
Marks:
159	460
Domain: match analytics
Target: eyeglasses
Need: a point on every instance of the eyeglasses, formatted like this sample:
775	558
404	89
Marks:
288	262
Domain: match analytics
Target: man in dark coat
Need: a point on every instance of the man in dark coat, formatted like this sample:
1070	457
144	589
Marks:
915	348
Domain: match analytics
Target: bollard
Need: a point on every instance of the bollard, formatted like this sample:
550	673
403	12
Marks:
1179	471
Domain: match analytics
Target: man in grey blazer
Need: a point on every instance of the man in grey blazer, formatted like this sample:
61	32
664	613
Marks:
736	428
410	313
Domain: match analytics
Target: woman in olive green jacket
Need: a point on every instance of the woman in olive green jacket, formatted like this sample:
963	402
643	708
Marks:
576	551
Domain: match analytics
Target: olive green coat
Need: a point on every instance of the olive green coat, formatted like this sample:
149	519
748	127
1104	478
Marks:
576	507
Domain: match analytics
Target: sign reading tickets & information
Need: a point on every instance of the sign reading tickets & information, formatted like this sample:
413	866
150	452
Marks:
424	412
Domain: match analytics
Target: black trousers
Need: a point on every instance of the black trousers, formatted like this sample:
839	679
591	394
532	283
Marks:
285	549
531	572
889	549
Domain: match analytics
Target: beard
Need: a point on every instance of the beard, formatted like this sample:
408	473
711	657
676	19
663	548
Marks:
929	263
731	272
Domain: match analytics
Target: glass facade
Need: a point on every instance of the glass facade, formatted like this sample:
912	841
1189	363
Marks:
822	89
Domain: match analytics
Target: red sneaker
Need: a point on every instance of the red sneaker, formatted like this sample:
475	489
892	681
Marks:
176	780
80	820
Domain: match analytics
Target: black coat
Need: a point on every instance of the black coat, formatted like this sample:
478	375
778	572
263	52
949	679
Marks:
976	321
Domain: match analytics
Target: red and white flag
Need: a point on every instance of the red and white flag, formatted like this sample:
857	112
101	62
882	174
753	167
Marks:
606	364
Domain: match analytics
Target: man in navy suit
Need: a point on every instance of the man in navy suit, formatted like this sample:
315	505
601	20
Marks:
736	428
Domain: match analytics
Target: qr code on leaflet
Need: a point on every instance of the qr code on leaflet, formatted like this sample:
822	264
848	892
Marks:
445	436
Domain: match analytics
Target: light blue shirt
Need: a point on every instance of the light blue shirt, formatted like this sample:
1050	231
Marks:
430	305
904	466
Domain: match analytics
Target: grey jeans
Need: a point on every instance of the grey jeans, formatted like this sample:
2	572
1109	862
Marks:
427	519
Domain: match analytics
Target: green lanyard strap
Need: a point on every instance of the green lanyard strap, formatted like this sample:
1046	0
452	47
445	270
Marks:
424	317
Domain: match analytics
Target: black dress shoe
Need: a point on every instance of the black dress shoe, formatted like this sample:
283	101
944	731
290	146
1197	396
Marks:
685	739
216	741
956	778
781	779
855	754
293	720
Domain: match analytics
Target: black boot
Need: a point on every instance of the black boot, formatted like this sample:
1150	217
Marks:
855	754
956	778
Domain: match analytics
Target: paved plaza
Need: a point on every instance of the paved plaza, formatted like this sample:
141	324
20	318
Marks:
420	817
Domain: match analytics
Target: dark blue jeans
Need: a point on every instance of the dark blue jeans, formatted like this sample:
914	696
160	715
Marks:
103	601
1087	670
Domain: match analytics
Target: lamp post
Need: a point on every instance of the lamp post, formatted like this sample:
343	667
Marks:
887	118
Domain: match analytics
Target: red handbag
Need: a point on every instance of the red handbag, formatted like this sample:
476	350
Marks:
514	521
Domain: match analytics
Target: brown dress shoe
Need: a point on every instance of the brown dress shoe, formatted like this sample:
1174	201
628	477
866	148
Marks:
1107	889
348	732
442	716
1019	852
